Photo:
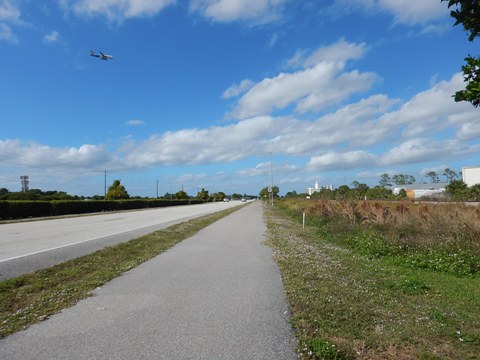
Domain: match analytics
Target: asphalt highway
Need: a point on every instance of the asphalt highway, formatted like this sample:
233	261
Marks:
216	295
33	245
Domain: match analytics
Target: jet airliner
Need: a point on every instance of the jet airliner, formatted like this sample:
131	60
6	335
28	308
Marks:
101	55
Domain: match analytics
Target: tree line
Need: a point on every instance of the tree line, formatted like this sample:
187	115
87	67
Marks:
116	191
455	189
401	179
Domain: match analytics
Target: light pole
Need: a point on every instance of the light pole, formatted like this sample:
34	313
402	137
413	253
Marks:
271	176
105	185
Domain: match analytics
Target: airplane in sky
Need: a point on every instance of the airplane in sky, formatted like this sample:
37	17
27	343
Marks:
101	55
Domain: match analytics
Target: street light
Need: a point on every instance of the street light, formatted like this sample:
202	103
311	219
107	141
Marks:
271	176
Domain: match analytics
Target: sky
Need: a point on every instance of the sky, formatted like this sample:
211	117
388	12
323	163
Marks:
228	95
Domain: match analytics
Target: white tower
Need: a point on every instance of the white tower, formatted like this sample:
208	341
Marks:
24	180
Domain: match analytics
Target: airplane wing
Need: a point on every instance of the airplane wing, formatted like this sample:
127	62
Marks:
105	57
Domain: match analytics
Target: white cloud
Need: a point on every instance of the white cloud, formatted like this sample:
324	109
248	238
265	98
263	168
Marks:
9	11
432	110
422	149
438	169
257	11
469	130
189	178
409	12
341	161
34	155
236	90
273	40
340	52
414	11
203	146
340	139
436	29
265	168
7	34
53	37
135	122
117	10
322	83
9	15
370	132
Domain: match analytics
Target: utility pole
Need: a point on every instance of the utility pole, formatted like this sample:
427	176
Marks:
157	188
105	187
271	176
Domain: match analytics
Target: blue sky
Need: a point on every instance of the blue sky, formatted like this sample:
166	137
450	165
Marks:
204	93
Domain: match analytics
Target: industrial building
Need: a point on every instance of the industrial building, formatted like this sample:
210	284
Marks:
416	191
317	188
471	175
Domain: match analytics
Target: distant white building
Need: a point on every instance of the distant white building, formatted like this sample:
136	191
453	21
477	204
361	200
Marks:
471	175
317	188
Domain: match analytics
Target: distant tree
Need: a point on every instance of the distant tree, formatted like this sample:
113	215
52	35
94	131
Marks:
291	194
168	196
385	181
379	193
341	192
220	196
398	179
355	184
450	175
432	175
458	190
236	196
410	179
359	190
216	196
402	179
181	195
467	12
4	191
203	195
21	196
402	194
116	191
474	193
264	194
325	194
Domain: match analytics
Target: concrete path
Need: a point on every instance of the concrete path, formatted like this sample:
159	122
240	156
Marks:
217	295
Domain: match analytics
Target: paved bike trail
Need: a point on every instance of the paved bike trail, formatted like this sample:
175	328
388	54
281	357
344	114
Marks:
216	295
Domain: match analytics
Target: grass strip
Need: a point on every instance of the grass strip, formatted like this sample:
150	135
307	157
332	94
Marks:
349	305
34	297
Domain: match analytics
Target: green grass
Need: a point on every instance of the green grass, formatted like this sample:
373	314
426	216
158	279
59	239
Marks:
34	297
348	302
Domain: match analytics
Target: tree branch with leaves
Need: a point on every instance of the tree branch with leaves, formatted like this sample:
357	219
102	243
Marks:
467	13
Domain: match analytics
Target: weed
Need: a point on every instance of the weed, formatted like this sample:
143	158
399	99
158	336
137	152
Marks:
321	349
